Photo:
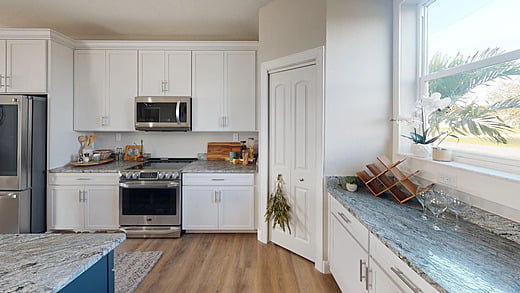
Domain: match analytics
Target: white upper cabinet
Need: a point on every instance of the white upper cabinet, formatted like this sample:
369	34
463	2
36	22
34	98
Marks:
89	89
223	90
164	73
208	91
105	85
23	66
239	90
121	89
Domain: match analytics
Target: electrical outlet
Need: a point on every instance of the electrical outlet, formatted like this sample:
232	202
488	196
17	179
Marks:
448	180
118	137
235	136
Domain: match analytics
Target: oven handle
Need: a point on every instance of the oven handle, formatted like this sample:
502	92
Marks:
147	185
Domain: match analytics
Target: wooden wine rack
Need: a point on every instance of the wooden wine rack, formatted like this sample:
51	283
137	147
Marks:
379	182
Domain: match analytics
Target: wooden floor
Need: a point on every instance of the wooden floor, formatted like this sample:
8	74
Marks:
227	263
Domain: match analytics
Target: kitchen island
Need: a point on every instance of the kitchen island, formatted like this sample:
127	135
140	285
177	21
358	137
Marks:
477	258
57	262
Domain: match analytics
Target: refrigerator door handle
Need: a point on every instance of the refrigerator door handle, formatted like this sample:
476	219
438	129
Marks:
9	195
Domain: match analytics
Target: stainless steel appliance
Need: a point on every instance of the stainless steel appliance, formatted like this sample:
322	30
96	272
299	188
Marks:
23	152
163	113
150	199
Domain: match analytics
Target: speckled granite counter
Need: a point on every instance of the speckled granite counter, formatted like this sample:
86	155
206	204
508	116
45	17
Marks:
112	167
473	259
48	262
218	167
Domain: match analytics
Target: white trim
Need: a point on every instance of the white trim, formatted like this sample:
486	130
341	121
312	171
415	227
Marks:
509	56
396	71
168	45
36	34
314	56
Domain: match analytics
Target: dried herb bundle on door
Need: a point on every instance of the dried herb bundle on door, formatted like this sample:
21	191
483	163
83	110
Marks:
278	208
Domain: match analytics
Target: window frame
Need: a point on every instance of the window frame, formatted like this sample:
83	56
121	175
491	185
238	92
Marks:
505	164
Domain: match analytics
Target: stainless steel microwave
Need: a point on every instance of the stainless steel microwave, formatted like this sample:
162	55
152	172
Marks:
163	113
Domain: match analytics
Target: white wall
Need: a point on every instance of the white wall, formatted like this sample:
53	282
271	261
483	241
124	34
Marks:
167	144
62	139
358	103
290	26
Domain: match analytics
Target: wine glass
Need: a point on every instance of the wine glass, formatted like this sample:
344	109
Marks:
437	203
421	197
458	207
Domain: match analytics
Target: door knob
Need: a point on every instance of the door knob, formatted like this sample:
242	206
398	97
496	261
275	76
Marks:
301	180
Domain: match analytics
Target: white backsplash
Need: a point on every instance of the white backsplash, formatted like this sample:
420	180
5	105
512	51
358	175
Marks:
168	144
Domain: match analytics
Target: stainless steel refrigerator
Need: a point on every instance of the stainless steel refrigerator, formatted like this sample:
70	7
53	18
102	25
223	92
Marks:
23	153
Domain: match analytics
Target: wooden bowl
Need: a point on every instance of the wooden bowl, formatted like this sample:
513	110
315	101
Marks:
105	154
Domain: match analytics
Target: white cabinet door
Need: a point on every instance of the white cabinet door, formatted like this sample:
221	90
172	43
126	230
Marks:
239	90
381	282
101	207
89	89
2	65
65	210
236	205
26	66
208	90
121	89
199	208
151	73
178	73
348	260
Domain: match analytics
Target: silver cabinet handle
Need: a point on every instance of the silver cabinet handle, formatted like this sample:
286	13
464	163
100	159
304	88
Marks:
1	77
80	195
83	179
85	196
217	179
405	280
342	215
8	196
6	78
178	112
362	263
367	281
226	123
215	197
219	196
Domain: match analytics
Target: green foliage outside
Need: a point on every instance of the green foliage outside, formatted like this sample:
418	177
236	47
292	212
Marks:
465	117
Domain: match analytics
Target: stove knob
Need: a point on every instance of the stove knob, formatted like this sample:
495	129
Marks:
175	175
167	175
160	175
128	175
122	175
135	176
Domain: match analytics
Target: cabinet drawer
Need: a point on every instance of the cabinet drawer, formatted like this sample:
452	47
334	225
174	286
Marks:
358	231
396	269
83	178
217	179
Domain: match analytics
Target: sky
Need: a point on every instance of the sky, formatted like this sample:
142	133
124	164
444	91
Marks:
469	25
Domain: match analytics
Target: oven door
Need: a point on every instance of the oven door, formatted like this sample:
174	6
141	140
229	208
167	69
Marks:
163	113
150	203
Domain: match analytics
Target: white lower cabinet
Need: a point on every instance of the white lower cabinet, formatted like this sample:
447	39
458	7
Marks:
360	262
83	203
218	202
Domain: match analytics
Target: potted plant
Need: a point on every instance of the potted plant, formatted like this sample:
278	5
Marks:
351	183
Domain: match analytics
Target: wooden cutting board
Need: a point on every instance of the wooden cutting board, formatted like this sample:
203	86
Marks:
219	151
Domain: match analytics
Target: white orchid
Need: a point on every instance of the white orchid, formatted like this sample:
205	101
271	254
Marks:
424	107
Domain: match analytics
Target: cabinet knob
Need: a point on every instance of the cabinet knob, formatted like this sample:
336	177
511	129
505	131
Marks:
301	180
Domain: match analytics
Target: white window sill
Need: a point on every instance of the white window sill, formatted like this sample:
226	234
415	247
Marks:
470	168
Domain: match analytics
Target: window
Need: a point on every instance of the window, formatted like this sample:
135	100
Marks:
470	53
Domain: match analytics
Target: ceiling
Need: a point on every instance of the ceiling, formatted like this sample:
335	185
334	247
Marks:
188	20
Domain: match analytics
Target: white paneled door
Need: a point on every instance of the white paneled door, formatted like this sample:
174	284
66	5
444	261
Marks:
294	120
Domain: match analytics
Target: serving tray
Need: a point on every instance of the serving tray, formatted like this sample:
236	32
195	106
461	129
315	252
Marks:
91	163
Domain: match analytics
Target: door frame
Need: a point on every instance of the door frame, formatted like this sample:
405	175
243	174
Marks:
316	57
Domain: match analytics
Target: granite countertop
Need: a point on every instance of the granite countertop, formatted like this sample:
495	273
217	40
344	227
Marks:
112	167
218	167
49	262
477	258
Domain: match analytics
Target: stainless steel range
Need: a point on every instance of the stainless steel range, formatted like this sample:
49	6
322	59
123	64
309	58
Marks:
150	199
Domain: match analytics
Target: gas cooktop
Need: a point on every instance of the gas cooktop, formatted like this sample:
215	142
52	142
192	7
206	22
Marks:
156	169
